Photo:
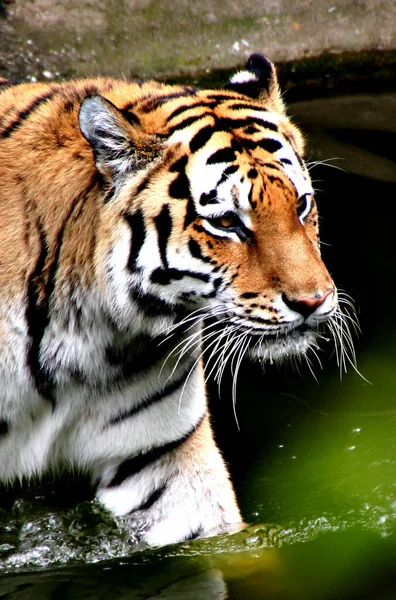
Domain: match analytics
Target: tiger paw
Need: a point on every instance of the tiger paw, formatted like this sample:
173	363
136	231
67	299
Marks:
159	526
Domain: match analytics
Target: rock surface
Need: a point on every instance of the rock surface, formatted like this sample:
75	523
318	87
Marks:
46	39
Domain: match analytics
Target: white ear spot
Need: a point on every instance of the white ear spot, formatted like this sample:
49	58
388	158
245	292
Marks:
243	77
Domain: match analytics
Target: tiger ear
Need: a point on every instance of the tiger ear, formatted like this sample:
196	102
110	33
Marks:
110	135
258	81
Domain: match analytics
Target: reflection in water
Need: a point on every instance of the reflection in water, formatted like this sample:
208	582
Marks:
353	565
317	460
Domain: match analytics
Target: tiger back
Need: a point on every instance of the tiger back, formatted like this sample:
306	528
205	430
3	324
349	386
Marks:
130	213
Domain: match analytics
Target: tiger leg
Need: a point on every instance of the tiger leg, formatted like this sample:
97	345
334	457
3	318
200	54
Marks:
192	494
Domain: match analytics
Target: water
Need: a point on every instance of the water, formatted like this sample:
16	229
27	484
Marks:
313	461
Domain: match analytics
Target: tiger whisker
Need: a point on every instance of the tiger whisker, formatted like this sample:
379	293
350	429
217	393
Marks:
227	332
199	314
309	364
242	351
191	371
223	359
325	163
185	345
188	346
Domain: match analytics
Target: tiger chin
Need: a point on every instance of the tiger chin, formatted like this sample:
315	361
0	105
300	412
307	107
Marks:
130	213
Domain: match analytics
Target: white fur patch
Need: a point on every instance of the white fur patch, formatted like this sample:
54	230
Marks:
243	77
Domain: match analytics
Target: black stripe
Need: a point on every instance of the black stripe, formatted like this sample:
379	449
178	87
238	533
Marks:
180	187
163	225
252	202
142	352
267	144
152	499
225	155
133	466
219	97
138	229
209	198
191	213
195	250
130	117
157	396
187	122
3	427
270	145
195	534
273	178
247	105
249	295
227	172
152	306
179	165
129	105
229	123
201	138
22	115
40	290
109	193
275	166
300	160
37	317
285	161
155	102
143	184
163	277
181	109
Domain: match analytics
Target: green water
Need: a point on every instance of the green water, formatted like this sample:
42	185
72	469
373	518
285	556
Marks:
313	461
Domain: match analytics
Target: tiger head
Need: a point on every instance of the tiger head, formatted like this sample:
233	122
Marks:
209	211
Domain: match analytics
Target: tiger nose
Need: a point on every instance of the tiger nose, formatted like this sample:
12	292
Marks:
306	306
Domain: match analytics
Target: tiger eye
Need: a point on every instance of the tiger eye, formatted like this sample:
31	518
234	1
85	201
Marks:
301	203
226	221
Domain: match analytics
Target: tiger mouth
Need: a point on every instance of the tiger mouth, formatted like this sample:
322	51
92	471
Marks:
282	344
300	331
276	335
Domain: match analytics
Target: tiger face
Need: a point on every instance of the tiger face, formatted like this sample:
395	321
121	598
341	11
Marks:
222	220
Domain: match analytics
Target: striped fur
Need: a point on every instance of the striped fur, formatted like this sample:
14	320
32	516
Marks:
129	213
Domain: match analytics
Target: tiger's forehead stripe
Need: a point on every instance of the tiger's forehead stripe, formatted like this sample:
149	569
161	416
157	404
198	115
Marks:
260	130
151	103
187	122
186	107
223	122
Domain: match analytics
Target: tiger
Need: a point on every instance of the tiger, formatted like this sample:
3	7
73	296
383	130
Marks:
142	224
